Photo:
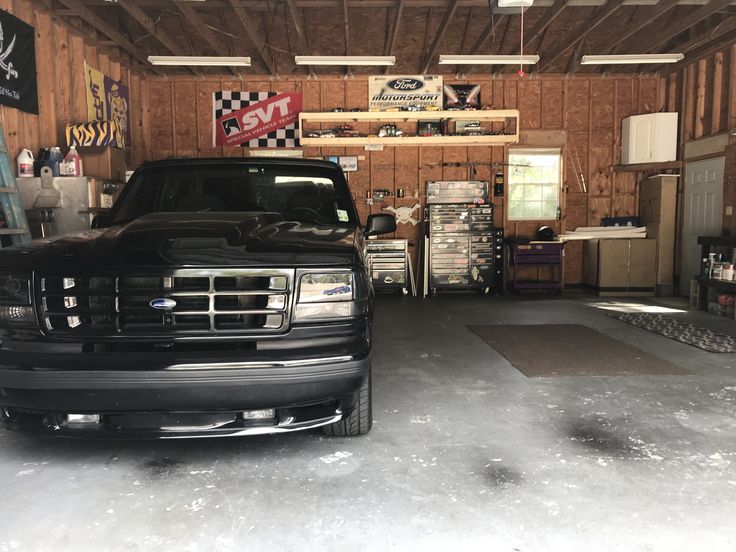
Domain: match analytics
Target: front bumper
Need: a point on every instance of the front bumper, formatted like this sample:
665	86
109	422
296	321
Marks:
306	392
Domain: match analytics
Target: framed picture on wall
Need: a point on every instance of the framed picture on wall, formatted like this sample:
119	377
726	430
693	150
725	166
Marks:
349	163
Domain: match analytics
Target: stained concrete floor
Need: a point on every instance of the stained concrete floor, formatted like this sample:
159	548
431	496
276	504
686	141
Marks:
466	454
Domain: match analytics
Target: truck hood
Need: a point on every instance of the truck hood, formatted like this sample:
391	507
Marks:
192	240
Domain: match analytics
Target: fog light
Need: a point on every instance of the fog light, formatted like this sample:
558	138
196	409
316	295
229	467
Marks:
259	414
18	315
83	418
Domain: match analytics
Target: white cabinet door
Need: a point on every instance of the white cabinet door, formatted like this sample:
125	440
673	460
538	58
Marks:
703	213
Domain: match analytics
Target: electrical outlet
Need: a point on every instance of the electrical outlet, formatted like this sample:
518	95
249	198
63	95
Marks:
729	210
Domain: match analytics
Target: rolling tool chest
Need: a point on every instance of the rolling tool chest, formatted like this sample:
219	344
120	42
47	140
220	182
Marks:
461	236
537	254
388	261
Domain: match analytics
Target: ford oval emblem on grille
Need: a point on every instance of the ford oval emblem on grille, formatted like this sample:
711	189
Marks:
163	303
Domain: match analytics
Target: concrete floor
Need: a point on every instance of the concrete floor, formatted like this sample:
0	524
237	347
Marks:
466	454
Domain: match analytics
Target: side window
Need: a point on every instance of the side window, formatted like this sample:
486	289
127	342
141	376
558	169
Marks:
535	177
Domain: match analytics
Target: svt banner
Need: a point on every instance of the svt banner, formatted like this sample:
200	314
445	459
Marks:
256	119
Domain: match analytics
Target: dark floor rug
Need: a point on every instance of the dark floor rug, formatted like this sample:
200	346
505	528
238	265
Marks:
570	350
683	332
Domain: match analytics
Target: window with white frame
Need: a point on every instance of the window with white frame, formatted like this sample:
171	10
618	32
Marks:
534	184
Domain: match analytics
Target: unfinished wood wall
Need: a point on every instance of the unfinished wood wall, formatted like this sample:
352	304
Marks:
582	114
61	51
704	92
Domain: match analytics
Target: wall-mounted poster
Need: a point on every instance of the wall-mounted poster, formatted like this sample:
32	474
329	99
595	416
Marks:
256	119
108	100
17	64
391	92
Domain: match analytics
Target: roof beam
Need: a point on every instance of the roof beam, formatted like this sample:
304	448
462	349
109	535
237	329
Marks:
486	33
546	20
294	13
388	50
105	28
200	27
147	23
721	43
449	13
253	36
583	30
637	25
346	20
679	26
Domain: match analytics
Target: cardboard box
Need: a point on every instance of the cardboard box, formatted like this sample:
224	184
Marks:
105	163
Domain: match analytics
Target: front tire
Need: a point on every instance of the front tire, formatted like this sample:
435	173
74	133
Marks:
360	420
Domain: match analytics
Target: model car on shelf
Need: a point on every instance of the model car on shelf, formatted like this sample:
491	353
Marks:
390	130
329	133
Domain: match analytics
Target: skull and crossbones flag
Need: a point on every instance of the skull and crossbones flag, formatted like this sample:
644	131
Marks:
17	64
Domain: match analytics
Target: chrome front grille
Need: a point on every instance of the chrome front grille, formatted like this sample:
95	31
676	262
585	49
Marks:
228	301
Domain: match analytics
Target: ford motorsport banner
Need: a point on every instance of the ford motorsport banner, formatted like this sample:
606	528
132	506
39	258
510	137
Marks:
108	100
256	119
17	64
395	92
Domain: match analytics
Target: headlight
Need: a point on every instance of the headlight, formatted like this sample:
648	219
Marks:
15	290
327	287
15	300
327	296
16	314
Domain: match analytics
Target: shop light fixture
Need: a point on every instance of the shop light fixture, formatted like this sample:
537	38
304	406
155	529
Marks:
631	59
206	61
488	60
345	60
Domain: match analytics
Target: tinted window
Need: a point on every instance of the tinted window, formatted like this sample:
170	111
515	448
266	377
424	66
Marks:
312	194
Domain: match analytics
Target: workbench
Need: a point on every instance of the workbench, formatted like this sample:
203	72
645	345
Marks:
537	254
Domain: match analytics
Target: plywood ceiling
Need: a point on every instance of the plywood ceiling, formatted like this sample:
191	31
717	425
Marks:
271	32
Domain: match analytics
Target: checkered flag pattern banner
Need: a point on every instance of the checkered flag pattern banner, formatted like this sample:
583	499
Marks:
226	102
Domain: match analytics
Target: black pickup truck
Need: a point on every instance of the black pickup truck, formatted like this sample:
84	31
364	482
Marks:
217	297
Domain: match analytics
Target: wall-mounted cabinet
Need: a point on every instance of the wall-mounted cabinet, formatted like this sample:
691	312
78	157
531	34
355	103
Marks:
499	127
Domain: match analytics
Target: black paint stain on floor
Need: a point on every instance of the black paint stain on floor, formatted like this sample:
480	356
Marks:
602	437
499	476
161	467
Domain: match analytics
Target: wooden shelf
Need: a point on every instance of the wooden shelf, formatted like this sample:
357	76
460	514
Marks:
508	117
646	167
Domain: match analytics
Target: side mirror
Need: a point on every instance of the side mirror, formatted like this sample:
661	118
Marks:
99	221
380	224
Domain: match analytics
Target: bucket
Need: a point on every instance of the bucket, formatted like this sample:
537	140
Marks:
25	163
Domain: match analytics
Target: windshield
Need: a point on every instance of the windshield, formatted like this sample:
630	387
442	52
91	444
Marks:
299	193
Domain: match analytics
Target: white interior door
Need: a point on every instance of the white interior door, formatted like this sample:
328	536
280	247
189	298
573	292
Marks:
703	213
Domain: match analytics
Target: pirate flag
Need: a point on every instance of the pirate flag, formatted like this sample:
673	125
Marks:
17	64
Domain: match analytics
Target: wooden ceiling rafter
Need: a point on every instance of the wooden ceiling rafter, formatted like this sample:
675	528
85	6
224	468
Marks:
300	31
151	26
200	27
637	25
583	30
548	17
446	19
102	26
652	42
393	34
259	44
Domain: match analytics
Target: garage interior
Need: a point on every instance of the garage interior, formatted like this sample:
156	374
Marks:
580	397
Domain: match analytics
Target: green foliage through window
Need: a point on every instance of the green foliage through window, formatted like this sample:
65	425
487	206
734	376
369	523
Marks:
534	184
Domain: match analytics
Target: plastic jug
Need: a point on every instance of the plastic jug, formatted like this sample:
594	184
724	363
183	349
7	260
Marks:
25	163
72	164
54	161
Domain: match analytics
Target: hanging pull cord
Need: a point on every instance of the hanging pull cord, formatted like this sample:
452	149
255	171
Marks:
521	59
